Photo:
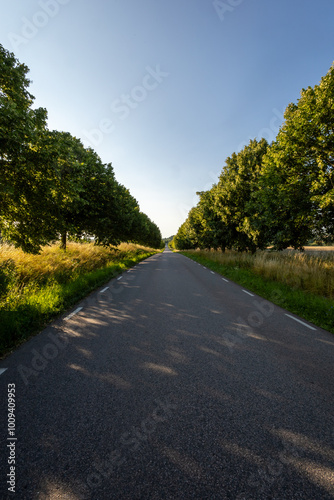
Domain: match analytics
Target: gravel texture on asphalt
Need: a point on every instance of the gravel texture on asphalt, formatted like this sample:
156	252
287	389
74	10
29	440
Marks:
171	384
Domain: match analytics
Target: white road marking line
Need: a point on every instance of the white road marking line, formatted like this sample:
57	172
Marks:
212	272
2	370
227	281
119	278
104	289
73	313
204	267
248	293
301	322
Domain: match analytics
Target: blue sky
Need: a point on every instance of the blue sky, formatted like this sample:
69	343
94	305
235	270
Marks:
166	90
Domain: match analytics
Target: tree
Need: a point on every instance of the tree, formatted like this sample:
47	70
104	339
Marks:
185	237
83	191
209	228
21	184
225	216
145	231
296	186
286	210
237	185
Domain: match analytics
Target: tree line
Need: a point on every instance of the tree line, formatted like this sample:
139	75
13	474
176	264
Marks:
51	186
279	194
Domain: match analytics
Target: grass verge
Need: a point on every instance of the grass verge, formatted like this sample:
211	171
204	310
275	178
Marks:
289	295
36	289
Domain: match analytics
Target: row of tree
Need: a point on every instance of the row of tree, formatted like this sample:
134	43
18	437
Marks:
279	194
51	186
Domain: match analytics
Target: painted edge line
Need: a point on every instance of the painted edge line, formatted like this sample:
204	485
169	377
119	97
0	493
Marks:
2	370
212	272
301	322
248	293
227	281
73	313
119	278
104	289
204	267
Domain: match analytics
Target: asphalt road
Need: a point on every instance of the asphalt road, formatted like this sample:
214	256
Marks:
172	383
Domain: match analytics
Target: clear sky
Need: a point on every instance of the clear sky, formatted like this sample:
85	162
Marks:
167	89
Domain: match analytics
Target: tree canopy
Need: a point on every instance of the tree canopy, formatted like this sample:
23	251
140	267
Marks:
51	186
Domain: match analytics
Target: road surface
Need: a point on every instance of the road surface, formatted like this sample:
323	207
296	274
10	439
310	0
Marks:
170	382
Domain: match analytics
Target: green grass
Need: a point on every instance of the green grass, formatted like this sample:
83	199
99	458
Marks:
35	289
313	307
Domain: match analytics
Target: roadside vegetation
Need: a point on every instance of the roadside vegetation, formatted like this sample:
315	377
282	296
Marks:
302	282
53	189
36	288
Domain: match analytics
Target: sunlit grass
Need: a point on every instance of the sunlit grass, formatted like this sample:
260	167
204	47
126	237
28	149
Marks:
59	265
311	272
303	283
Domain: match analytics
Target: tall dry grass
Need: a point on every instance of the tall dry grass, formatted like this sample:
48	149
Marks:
53	263
308	271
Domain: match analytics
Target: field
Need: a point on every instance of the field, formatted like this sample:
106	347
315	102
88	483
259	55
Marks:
36	288
302	282
319	249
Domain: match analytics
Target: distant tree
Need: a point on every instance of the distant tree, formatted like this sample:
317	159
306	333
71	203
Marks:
168	241
114	211
145	231
234	194
185	237
209	228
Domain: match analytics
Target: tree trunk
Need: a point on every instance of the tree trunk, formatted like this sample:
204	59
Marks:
63	241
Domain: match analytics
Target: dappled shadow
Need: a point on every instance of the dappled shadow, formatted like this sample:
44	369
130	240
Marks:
173	396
